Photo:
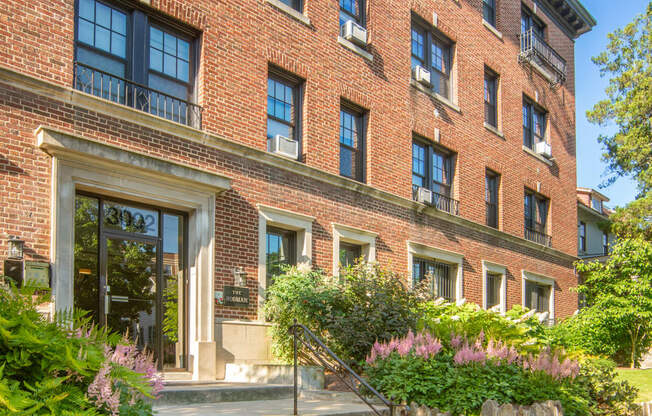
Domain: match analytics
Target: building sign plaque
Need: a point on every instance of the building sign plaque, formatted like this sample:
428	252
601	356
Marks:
236	296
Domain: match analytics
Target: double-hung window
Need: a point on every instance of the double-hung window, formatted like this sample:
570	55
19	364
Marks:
281	249
537	296
491	181
433	52
436	274
536	218
352	138
596	204
605	244
283	107
534	124
126	56
432	168
531	22
491	98
493	283
349	254
582	234
489	11
352	10
295	4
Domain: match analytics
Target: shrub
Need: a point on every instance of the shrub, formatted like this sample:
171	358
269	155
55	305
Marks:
364	304
64	369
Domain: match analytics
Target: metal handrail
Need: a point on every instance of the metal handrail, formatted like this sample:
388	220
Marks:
301	334
138	96
533	44
537	236
440	201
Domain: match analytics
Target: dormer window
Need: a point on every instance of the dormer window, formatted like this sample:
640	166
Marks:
596	204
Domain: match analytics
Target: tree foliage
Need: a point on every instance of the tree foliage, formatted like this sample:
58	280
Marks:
628	63
619	320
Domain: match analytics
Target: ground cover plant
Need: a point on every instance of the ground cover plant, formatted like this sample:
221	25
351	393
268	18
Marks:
68	367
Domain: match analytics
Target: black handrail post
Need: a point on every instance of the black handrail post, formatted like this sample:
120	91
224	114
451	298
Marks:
296	376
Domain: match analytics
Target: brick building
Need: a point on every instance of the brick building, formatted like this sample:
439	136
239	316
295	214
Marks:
162	154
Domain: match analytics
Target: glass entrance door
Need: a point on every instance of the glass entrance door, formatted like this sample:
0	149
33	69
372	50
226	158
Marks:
130	273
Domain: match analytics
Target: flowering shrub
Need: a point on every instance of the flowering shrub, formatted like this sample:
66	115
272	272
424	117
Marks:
460	376
71	368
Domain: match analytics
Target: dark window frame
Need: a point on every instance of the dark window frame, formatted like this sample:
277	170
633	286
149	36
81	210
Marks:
448	157
489	11
533	110
491	82
361	117
432	37
361	18
292	243
530	20
425	266
492	198
581	231
533	216
542	291
297	84
295	4
350	247
605	243
493	299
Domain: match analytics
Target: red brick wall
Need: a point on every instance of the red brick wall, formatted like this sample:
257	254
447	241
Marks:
240	39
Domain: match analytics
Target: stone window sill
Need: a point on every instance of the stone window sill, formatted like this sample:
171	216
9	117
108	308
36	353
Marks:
295	14
492	29
436	96
355	48
494	130
534	154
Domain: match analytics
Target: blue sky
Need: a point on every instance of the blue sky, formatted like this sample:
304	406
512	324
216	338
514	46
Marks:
590	89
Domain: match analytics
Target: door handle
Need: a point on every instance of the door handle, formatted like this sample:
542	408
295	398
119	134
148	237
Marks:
107	300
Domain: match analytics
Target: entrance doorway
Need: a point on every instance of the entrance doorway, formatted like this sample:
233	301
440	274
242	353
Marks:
130	273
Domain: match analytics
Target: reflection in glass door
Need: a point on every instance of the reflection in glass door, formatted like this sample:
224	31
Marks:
130	273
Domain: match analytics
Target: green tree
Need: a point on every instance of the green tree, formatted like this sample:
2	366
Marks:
620	294
628	63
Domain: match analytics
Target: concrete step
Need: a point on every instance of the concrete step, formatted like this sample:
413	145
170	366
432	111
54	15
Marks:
281	407
198	393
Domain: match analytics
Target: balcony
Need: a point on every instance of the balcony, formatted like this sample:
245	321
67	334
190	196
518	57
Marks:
537	236
119	90
535	50
439	201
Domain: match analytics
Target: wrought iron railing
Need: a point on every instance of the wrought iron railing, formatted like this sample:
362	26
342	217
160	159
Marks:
440	201
534	46
538	237
140	97
316	352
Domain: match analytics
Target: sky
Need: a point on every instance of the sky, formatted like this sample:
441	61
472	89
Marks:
589	87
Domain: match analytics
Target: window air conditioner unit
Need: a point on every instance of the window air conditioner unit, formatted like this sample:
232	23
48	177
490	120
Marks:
355	33
543	149
422	75
424	196
283	146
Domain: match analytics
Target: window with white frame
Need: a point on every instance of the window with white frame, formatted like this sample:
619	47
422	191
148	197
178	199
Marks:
442	268
539	293
350	244
494	286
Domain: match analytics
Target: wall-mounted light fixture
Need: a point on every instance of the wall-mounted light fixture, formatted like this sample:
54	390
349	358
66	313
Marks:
240	276
16	248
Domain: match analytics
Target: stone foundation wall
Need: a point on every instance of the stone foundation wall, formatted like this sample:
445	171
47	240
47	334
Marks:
492	408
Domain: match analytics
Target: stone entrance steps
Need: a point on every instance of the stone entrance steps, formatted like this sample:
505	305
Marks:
222	399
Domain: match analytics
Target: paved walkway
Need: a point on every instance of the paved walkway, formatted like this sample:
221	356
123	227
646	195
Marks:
284	407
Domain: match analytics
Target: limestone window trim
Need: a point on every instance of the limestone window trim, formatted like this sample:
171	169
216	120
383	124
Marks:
83	164
287	220
543	280
489	267
452	258
347	234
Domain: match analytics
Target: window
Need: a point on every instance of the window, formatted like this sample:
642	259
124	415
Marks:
437	274
530	21
283	107
494	281
352	135
491	180
537	296
295	4
109	64
352	10
605	244
536	218
349	254
432	168
534	124
434	53
596	204
489	11
281	249
491	98
582	234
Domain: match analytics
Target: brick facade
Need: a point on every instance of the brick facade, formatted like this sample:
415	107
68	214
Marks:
240	39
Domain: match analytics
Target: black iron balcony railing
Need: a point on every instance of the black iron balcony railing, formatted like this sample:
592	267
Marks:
538	236
122	91
534	46
439	201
